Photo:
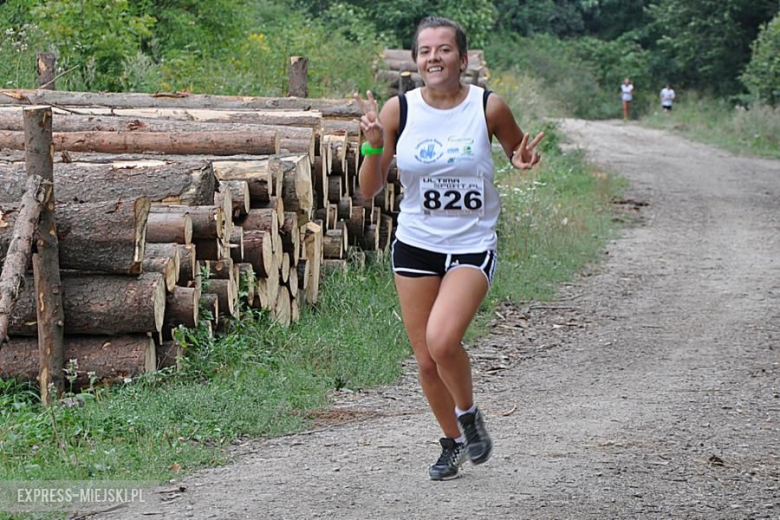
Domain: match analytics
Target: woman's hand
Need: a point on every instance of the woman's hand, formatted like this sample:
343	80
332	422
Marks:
369	122
525	157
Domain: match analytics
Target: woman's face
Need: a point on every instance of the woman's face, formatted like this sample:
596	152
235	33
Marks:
438	59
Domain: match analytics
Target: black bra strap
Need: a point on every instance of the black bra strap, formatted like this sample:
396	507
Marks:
485	98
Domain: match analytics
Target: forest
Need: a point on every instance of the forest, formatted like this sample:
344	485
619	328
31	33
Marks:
580	50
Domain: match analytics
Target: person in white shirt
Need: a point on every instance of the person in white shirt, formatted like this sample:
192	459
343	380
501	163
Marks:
667	97
626	95
444	253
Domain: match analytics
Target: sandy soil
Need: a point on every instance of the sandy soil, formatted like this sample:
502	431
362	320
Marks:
649	389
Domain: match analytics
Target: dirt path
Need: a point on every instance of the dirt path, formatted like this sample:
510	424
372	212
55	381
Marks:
651	389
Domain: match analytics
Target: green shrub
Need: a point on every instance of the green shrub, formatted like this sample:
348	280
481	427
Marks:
762	75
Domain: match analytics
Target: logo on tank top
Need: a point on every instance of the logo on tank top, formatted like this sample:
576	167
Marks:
428	151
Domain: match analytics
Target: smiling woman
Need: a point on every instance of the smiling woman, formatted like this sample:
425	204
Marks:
444	255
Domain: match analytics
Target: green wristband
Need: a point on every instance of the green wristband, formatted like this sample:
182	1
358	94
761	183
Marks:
366	149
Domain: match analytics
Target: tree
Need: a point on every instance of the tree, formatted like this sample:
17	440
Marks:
762	75
706	43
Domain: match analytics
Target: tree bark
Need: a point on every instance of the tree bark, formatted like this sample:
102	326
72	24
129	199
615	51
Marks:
265	142
46	66
298	77
19	250
188	267
236	244
181	307
111	358
208	221
290	233
257	174
239	196
292	138
258	251
106	237
164	266
178	183
294	118
226	292
98	304
312	241
348	108
169	227
46	264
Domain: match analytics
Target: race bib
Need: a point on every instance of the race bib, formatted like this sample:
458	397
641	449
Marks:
453	196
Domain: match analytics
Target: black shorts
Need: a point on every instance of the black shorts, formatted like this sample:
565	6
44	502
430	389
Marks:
667	107
414	262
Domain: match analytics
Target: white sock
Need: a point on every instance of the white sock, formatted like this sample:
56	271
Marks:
460	412
460	440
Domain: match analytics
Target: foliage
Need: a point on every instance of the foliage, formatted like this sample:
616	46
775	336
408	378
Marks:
583	76
707	42
753	130
396	20
762	75
606	19
94	34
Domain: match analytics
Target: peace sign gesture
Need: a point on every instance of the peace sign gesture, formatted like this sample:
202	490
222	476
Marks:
369	122
525	157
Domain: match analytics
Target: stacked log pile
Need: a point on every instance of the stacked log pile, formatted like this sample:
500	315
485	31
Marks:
398	71
169	205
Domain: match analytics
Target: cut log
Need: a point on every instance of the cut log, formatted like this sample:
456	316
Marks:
110	358
292	280
169	250
98	304
333	244
208	221
240	196
263	142
108	237
169	227
261	219
296	186
191	184
219	269
236	244
258	174
290	233
344	208
209	304
294	118
182	307
312	243
370	239
226	292
348	107
357	221
291	138
188	264
385	232
211	249
163	266
18	251
284	268
258	251
274	203
169	354
282	311
335	188
328	215
304	273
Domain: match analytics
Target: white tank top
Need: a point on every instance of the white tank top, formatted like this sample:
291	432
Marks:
445	162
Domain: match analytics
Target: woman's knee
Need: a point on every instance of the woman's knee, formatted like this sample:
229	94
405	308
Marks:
443	347
427	369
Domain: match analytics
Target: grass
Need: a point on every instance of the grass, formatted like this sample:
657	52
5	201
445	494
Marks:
753	131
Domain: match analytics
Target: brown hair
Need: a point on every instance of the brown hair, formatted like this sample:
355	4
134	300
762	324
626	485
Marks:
438	21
